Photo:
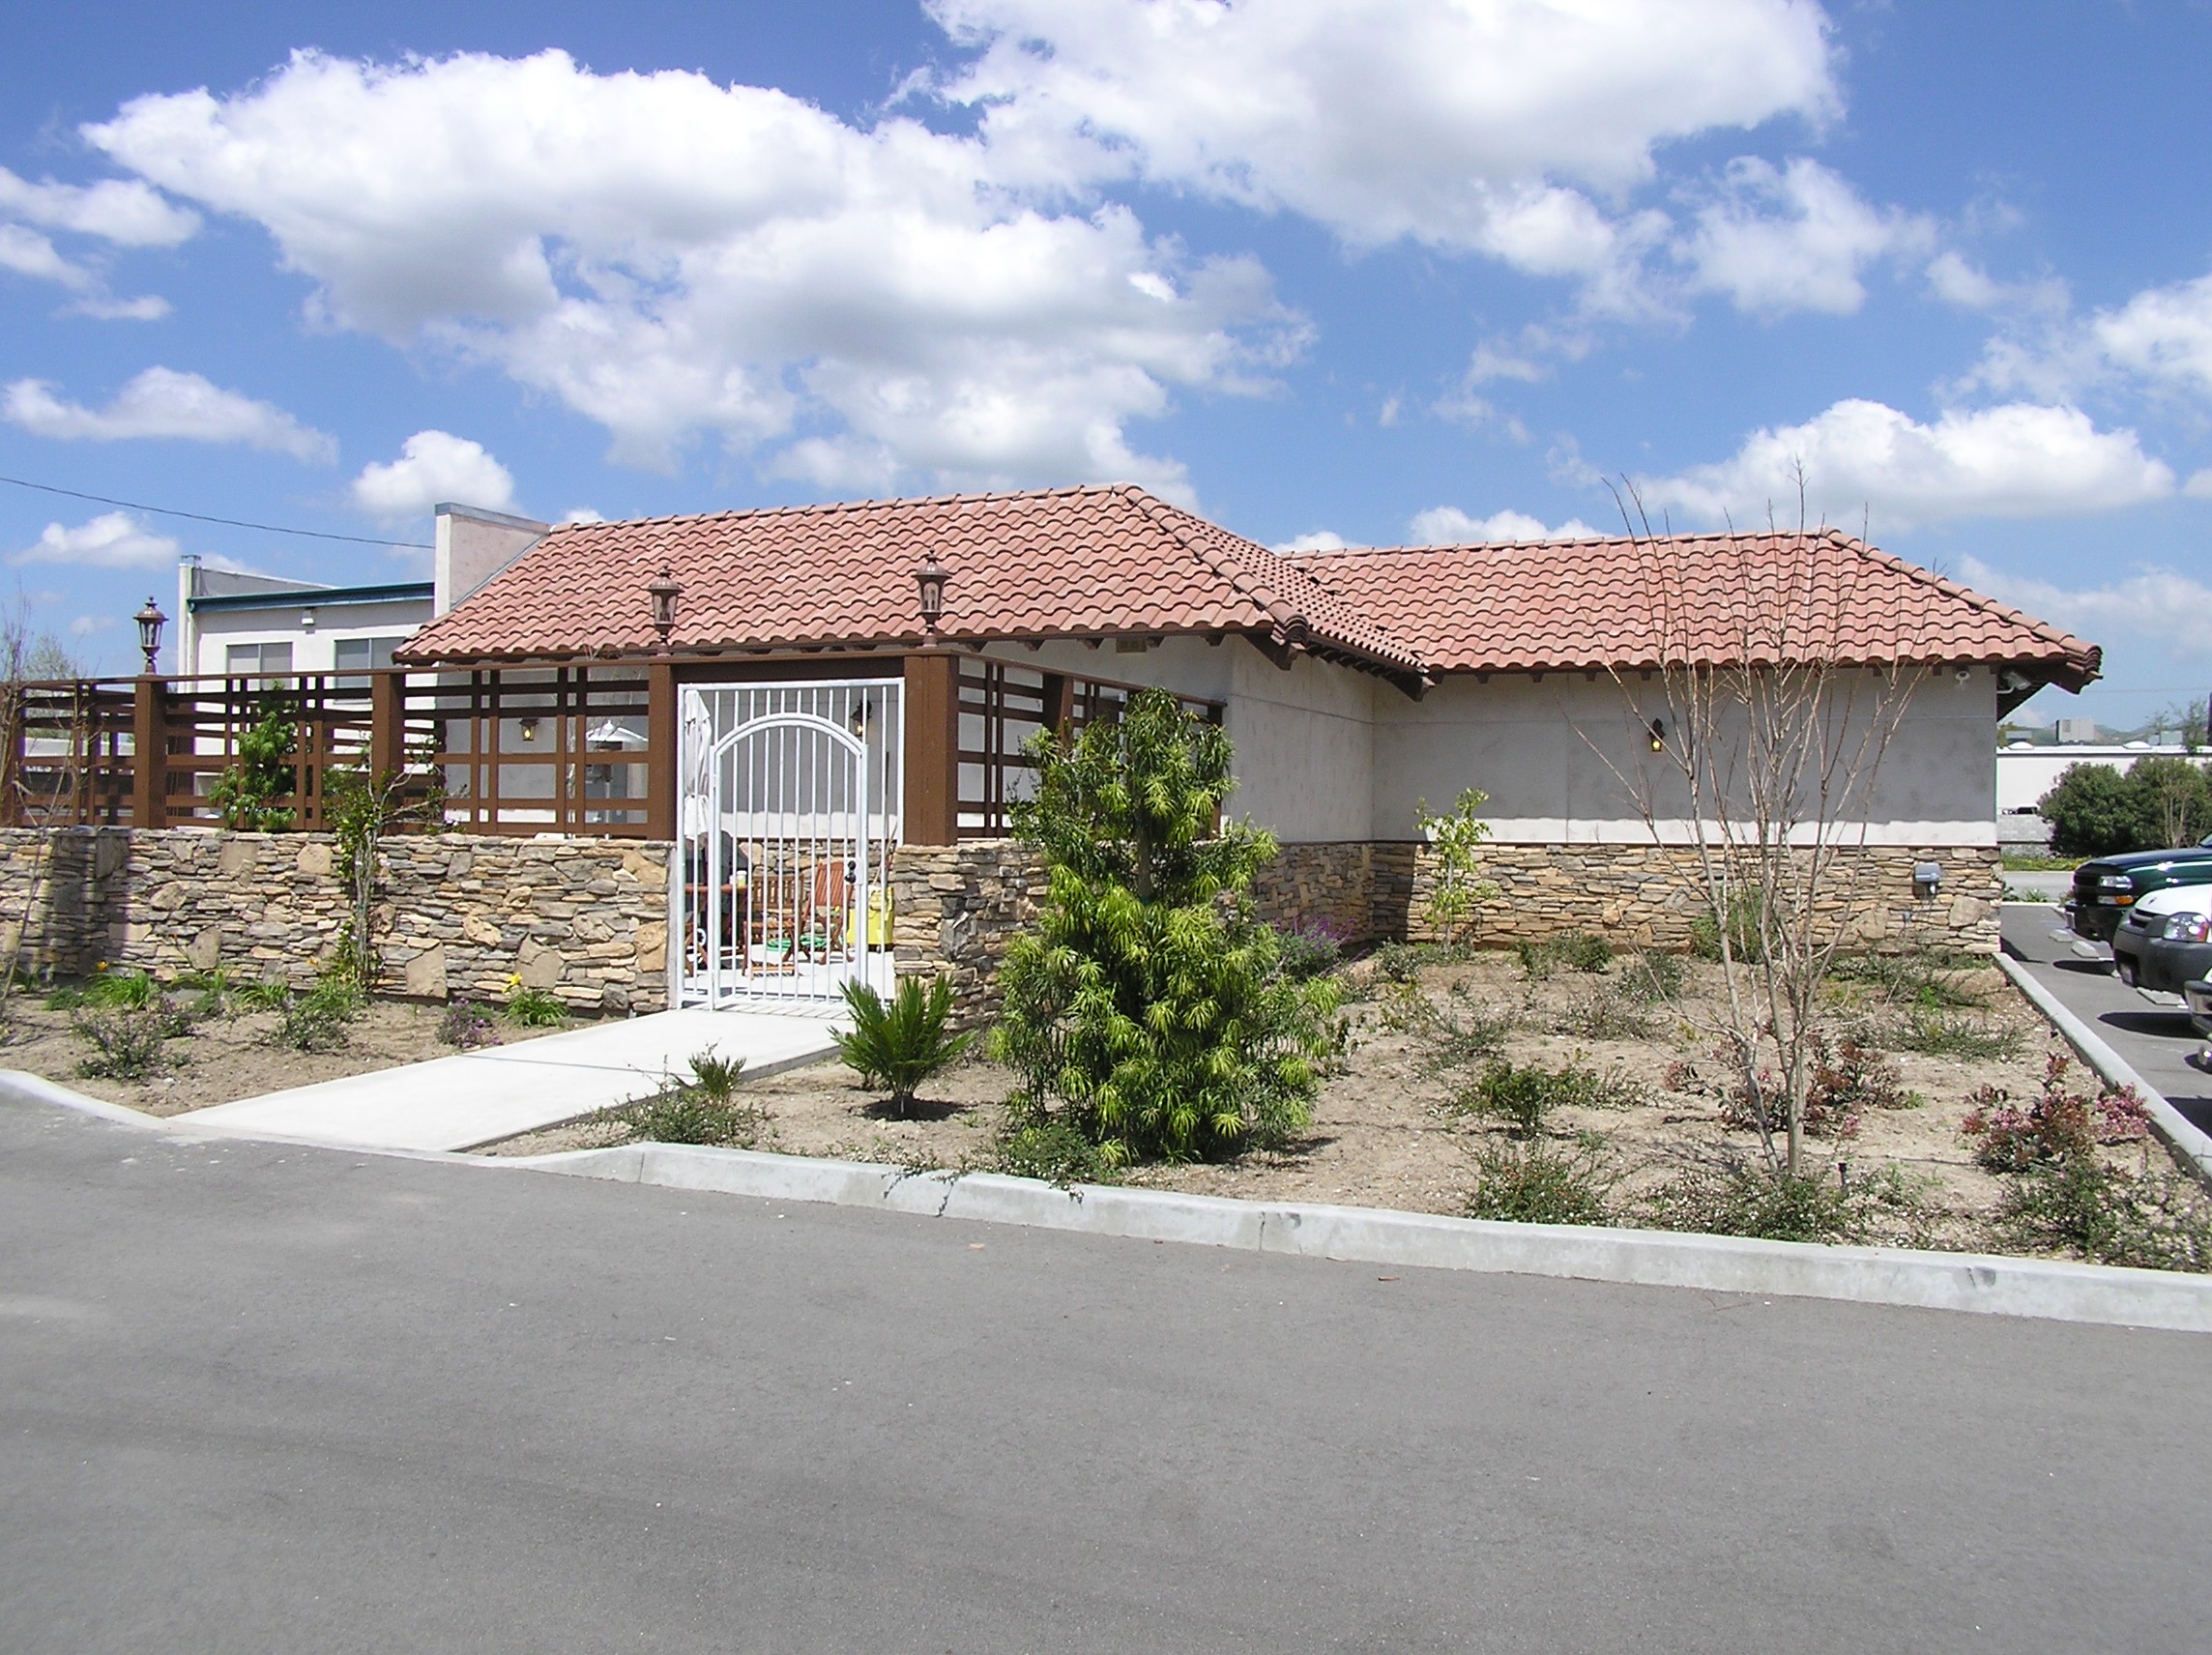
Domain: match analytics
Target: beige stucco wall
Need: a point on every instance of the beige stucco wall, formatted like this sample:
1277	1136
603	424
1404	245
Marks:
1566	758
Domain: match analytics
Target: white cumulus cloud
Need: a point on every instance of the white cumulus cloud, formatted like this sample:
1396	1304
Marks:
162	402
669	256
2172	609
1318	540
433	467
122	211
113	540
26	252
1449	526
1455	124
2017	460
1792	238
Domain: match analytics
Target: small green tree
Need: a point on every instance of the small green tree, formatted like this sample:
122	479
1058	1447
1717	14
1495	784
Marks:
2090	811
1457	838
245	793
362	809
2173	802
1148	1008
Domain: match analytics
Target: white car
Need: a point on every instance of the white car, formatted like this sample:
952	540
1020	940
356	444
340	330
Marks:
2160	944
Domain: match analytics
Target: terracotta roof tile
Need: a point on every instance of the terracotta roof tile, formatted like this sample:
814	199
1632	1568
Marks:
1706	599
1102	561
1065	563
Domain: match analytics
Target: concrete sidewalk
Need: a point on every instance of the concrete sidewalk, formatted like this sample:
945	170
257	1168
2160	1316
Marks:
477	1097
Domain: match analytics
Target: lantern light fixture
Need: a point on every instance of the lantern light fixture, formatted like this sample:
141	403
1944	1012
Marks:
150	623
1658	734
929	581
663	590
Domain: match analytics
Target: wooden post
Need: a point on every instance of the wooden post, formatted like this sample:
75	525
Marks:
387	724
661	727
149	755
11	757
932	760
1059	703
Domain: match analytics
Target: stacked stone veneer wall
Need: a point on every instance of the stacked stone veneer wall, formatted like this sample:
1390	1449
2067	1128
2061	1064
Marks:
461	915
956	904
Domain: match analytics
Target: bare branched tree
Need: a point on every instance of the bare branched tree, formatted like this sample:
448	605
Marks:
27	658
1759	728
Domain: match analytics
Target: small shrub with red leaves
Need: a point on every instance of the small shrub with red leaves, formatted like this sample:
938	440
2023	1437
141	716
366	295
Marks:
2062	1123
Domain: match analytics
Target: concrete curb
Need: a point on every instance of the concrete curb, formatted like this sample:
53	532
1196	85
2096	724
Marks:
27	1087
1979	1282
2175	1130
1976	1283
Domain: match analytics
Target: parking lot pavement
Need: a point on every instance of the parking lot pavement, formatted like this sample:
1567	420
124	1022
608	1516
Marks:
2157	1041
261	1397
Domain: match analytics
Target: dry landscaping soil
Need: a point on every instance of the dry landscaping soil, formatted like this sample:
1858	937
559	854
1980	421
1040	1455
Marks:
226	1057
1385	1132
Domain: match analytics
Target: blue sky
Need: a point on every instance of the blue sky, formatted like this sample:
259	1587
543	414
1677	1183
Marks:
1381	272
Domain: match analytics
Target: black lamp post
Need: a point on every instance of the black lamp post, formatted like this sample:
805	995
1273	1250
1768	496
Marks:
930	579
663	592
150	621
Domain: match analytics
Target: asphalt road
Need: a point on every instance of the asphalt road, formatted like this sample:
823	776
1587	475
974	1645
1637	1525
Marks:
265	1397
2158	1042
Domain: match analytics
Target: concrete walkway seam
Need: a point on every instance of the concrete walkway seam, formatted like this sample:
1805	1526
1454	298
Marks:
1979	1282
2177	1130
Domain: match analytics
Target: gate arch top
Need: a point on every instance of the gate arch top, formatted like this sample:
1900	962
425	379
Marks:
844	737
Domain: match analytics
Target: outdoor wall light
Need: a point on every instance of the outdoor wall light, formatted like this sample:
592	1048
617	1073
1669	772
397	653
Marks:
527	728
929	582
663	590
150	621
1658	735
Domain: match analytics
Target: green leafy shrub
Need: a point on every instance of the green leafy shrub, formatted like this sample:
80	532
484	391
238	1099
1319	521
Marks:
265	994
1654	977
2147	1219
1146	1003
1572	950
533	1008
321	1019
1457	889
703	1107
1052	1149
1746	932
2160	802
467	1023
1739	1199
902	1045
1524	1095
1538	1183
1400	962
245	796
1954	1034
1924	979
117	990
126	1041
1312	949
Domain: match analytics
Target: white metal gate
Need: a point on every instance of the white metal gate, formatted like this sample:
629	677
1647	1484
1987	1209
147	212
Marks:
788	812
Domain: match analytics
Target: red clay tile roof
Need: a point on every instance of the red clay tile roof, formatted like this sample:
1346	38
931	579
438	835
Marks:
1099	562
1067	562
1684	599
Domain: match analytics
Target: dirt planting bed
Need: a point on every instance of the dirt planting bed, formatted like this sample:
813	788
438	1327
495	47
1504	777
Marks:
226	1055
1393	1128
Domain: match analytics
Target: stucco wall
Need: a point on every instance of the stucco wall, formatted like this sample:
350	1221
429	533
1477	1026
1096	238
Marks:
1566	757
586	918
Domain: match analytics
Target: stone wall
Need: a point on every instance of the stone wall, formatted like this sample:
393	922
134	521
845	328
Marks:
1652	896
956	904
461	915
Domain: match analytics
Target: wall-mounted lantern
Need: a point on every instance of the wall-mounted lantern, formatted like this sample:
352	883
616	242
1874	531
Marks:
150	621
663	590
929	582
1658	735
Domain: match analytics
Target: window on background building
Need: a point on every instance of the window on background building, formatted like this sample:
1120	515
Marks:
361	655
239	658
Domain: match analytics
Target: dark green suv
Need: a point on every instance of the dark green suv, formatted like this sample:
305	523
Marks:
2105	888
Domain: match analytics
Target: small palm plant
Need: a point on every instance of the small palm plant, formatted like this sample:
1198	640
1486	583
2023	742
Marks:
901	1045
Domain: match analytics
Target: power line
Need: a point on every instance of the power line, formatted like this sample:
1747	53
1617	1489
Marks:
226	522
